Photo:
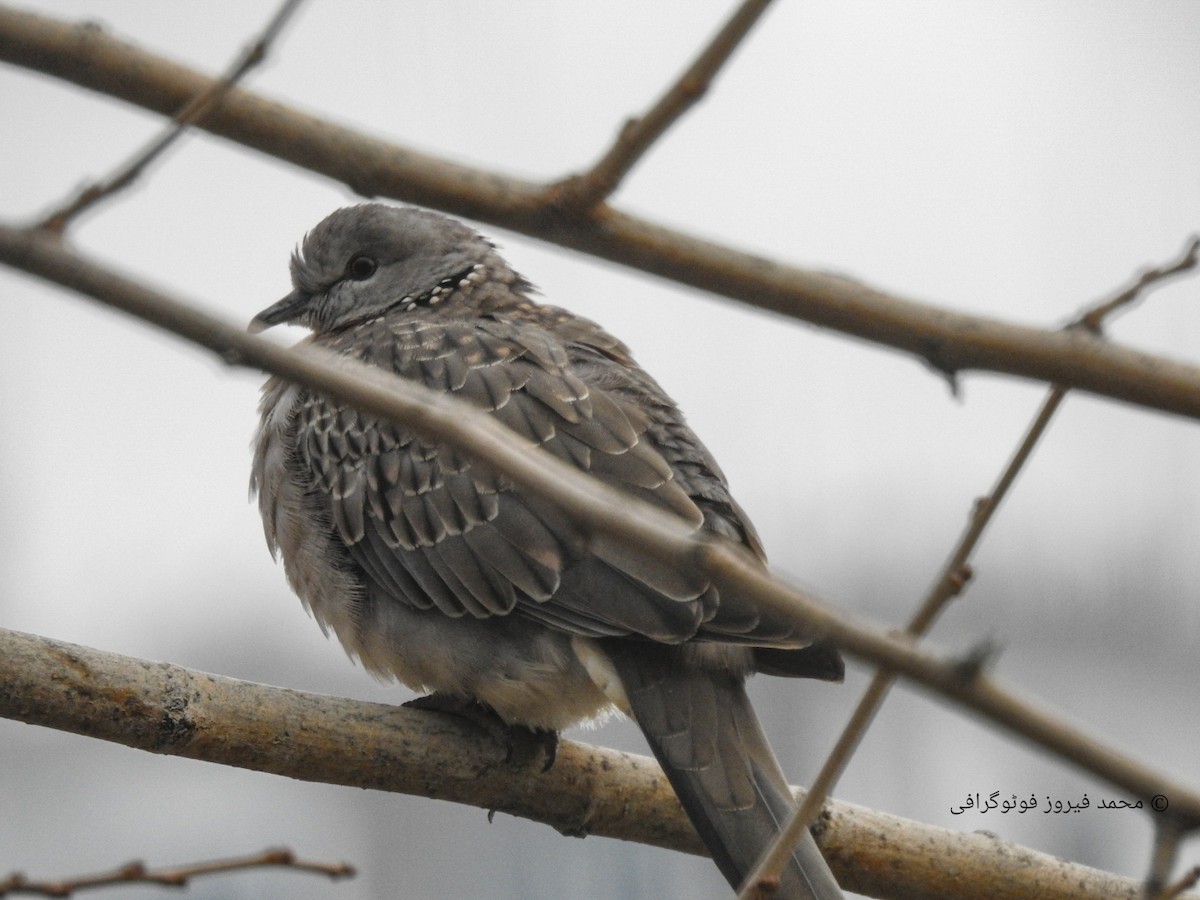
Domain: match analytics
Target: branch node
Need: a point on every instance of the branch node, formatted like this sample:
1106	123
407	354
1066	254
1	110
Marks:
232	356
978	658
583	826
960	578
1092	320
765	887
134	869
589	190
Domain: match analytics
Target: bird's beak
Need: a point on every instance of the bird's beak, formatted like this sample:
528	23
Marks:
286	310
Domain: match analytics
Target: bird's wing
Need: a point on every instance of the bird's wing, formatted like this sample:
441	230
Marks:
435	529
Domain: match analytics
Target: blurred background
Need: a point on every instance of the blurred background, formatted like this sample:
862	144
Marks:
1016	159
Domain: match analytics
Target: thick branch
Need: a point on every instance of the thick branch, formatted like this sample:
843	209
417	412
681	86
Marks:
603	513
949	341
170	710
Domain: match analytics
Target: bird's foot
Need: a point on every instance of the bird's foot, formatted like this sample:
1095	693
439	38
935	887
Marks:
523	745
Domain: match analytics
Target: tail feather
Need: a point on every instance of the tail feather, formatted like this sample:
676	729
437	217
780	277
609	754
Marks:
705	735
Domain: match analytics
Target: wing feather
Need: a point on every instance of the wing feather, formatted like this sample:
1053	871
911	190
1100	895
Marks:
435	531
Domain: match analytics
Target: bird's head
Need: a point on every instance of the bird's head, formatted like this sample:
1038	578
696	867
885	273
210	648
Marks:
363	261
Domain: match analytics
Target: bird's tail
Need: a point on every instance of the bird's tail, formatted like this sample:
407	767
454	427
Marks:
707	738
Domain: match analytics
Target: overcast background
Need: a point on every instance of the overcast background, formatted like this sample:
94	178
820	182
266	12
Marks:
1013	159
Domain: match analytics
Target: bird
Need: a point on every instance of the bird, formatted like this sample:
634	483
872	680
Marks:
433	569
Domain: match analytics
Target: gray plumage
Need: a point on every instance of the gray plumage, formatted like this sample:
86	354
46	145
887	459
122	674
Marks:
432	569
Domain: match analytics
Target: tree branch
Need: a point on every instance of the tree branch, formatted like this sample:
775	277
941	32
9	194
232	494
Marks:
955	575
948	341
166	709
179	876
193	111
603	513
582	192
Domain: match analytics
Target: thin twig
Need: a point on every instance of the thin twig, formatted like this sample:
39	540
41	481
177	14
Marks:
582	192
601	511
953	579
191	113
1187	260
949	341
1181	884
137	873
955	575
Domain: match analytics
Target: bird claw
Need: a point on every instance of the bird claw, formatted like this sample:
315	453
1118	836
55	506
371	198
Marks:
522	745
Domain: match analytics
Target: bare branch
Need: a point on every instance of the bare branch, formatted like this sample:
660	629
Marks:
948	341
1183	883
166	709
137	873
955	575
191	113
582	192
1187	260
604	513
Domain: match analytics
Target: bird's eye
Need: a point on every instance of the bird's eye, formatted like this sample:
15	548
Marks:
361	268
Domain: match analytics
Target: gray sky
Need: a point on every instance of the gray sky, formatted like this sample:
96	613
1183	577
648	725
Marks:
1013	159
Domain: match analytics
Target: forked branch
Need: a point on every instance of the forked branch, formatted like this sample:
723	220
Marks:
954	577
948	341
599	510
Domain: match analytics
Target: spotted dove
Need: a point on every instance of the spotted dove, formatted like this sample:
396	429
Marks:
433	569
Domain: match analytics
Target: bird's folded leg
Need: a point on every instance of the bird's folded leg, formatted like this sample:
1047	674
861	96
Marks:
523	746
